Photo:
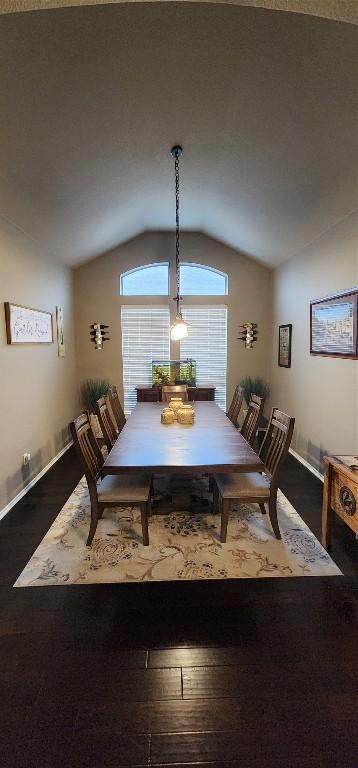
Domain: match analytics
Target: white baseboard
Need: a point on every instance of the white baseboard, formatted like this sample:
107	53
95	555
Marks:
33	482
307	465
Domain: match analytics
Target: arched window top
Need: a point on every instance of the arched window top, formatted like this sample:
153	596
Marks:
149	280
200	280
153	280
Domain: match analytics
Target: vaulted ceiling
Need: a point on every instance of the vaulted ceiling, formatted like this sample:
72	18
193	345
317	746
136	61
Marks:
93	98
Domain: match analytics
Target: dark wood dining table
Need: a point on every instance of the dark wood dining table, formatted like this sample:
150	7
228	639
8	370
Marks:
211	444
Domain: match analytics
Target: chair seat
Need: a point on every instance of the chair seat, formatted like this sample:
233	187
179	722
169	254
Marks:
124	488
242	485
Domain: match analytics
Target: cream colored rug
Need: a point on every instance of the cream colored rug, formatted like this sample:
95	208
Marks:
183	545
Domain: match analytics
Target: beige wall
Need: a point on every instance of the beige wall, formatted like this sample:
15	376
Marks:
321	392
39	390
97	299
37	387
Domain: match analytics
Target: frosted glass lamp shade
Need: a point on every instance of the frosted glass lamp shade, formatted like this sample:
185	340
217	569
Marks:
179	329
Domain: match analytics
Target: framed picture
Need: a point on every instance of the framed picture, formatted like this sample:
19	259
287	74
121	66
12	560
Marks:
25	325
284	345
334	325
60	336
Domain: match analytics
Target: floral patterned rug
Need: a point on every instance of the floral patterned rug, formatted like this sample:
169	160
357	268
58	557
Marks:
183	545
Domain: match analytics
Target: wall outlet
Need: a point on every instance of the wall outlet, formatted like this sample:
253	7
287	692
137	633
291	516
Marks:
26	458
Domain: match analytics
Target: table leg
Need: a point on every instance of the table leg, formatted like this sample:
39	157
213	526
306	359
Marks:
326	507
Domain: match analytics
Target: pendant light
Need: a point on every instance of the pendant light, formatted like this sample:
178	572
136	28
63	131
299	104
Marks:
179	329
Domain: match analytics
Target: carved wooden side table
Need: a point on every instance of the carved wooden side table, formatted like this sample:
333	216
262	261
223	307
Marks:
340	493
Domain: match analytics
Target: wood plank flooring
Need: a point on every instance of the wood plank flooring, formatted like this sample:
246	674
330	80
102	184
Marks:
220	674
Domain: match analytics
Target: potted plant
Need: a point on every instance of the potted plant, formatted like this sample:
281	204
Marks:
91	391
254	385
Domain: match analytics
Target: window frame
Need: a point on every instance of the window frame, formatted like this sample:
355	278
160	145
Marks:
193	301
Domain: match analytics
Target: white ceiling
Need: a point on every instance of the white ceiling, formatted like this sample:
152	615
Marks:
92	99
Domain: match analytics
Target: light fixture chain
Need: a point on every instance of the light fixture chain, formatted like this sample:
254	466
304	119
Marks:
177	230
179	329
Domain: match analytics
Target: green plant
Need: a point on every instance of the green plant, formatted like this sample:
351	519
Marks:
254	385
92	390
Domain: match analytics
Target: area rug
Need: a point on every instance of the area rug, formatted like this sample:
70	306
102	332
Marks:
183	545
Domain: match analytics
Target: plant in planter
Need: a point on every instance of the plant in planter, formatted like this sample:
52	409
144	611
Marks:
91	391
254	385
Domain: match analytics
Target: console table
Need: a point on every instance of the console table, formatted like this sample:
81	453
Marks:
340	493
154	394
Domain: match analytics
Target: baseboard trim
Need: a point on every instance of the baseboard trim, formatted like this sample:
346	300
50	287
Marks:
33	482
307	465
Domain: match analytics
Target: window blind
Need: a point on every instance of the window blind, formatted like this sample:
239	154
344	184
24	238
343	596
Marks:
145	337
207	344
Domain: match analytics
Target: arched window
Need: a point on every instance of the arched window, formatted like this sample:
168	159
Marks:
145	325
151	280
199	280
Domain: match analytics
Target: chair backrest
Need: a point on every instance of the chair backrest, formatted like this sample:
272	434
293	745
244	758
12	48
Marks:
116	408
87	447
235	405
174	390
106	423
252	418
276	442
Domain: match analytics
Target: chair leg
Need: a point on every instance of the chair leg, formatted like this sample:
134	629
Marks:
149	507
100	510
144	510
215	499
263	509
94	520
273	516
151	496
225	509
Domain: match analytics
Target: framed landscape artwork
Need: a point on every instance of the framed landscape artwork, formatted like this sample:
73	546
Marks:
284	345
334	325
25	325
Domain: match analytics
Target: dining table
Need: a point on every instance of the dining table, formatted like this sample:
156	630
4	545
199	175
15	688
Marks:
211	444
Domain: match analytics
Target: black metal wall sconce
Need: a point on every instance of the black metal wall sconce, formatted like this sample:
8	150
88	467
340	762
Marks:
99	334
249	334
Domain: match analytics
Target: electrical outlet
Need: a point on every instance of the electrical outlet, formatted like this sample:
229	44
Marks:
26	458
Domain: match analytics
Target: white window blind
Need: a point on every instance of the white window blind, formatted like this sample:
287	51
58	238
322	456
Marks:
145	337
207	344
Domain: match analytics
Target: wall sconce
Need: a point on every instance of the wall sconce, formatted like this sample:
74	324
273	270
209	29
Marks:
249	334
99	334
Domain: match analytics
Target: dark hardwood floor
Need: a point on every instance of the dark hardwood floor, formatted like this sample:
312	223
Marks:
222	673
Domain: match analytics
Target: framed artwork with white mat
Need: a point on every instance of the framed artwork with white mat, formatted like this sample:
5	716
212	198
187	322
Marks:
25	325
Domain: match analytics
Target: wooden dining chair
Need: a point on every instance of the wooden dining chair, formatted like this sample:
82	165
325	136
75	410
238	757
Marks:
253	487
112	490
116	408
174	390
235	405
109	431
252	419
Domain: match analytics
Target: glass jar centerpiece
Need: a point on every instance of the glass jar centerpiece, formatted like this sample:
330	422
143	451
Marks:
186	414
175	403
167	416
